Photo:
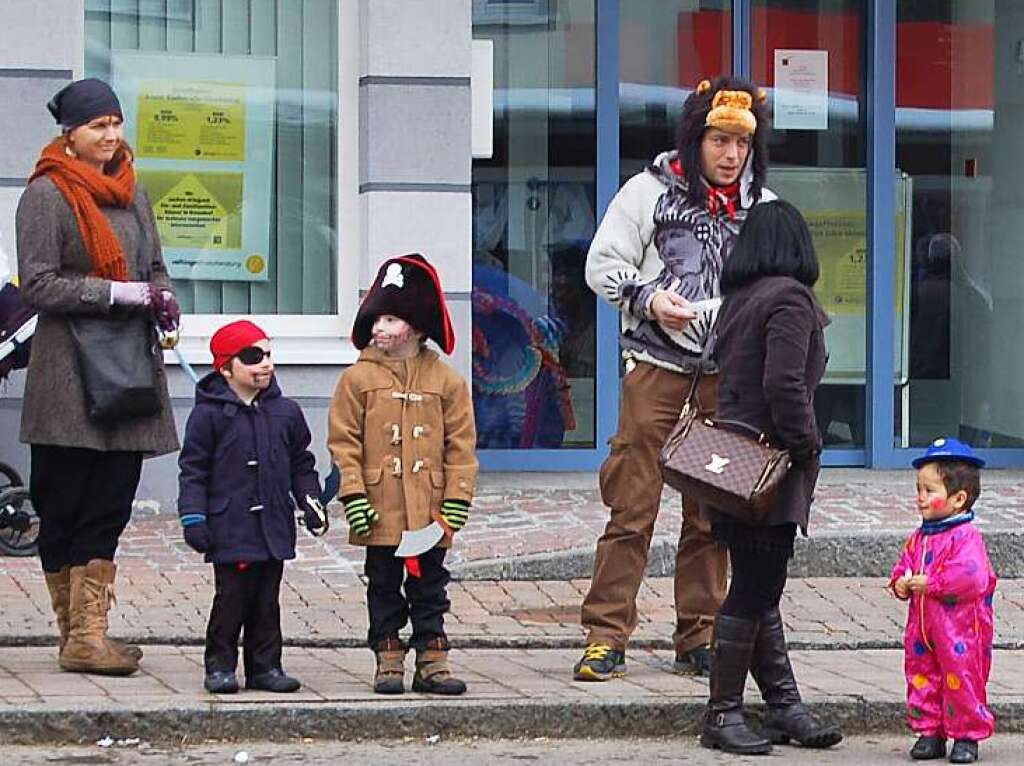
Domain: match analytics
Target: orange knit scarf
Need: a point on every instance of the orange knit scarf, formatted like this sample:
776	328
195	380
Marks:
86	190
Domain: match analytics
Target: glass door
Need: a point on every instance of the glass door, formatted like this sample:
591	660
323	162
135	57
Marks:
960	70
809	56
534	214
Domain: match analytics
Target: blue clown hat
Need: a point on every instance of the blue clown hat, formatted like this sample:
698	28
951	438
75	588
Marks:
948	448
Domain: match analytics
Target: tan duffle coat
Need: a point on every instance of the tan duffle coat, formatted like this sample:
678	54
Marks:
402	432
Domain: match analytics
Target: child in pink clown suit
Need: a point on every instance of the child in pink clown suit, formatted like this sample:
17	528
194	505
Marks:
946	574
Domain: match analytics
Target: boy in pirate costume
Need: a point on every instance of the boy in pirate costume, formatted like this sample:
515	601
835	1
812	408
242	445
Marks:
657	257
402	433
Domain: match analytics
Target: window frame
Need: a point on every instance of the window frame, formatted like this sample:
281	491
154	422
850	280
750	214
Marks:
321	339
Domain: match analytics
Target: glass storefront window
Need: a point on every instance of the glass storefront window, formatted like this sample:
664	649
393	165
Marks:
958	82
817	153
216	175
666	48
534	318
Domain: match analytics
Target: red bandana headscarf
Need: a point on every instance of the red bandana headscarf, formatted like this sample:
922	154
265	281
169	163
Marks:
718	196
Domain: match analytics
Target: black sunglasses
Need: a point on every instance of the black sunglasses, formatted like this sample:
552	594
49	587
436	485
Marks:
252	355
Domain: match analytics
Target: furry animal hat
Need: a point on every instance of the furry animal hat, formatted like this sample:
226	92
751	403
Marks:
407	287
731	104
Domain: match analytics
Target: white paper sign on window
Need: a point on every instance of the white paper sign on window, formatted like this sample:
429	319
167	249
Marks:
801	89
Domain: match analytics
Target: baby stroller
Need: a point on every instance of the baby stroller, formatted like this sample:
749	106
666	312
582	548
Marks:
19	525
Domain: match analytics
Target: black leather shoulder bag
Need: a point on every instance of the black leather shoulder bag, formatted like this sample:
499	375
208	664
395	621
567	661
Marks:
116	357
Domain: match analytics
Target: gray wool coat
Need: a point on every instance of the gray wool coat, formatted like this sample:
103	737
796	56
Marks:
53	268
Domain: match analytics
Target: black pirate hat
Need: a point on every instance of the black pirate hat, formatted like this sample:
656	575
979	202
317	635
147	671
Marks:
407	287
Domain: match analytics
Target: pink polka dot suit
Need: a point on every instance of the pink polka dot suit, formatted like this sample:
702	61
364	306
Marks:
948	639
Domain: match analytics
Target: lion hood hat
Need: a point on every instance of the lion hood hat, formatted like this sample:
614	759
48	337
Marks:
735	106
407	287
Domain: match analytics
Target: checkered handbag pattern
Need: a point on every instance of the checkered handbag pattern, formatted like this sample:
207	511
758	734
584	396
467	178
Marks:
722	466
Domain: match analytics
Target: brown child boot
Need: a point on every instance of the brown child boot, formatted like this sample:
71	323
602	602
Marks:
433	675
59	584
87	649
390	675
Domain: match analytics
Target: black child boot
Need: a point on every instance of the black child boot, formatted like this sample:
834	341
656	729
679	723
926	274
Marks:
788	718
732	644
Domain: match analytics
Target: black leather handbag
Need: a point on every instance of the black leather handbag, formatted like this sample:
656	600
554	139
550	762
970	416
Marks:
116	358
116	364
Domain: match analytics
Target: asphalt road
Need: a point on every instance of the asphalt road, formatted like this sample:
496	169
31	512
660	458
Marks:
858	751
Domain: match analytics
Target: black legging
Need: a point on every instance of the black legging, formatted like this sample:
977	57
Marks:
758	577
84	500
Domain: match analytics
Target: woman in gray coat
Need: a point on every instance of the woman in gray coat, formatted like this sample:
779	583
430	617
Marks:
770	350
86	233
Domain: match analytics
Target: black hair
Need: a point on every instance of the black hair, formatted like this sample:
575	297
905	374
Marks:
774	242
690	132
959	475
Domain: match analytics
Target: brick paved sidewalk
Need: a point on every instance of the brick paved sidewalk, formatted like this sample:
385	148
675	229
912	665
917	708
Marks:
512	692
524	514
163	599
528	514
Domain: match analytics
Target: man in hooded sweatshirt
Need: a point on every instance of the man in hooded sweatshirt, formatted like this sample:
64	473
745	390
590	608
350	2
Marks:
657	257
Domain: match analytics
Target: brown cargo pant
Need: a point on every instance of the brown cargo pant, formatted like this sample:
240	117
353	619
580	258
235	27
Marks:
631	487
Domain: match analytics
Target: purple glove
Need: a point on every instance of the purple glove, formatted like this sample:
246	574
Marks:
131	294
165	308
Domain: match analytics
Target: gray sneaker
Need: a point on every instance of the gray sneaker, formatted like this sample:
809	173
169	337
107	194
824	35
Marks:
696	662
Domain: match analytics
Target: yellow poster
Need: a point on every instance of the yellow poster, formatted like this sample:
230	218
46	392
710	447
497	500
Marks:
191	120
840	240
197	210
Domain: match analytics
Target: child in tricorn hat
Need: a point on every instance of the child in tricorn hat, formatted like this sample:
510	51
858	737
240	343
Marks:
946	574
402	433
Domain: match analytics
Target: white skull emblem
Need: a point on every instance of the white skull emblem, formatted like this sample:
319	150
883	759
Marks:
393	276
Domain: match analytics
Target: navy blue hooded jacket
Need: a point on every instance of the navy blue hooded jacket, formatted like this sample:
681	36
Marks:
237	466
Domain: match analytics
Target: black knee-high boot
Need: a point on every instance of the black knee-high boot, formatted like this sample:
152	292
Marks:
732	645
788	718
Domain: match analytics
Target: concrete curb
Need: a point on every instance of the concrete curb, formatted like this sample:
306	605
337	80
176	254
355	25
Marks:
485	718
863	554
496	643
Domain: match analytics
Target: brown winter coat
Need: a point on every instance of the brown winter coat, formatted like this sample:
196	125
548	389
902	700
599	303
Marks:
771	352
402	432
53	266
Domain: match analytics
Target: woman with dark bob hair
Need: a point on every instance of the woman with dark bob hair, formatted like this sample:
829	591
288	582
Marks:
770	349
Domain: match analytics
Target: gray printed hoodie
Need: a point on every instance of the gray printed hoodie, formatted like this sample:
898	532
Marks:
651	238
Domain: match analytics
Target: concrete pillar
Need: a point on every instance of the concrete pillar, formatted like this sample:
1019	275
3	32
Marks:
416	148
41	50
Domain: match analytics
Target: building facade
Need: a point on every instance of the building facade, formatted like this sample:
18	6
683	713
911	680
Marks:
289	146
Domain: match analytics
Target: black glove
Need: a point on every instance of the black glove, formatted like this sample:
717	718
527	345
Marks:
198	537
315	517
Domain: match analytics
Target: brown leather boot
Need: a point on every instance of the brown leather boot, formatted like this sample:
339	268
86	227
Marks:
59	584
87	649
390	675
433	674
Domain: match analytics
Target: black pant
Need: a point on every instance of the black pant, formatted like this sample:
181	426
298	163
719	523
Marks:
84	500
245	598
425	600
758	578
